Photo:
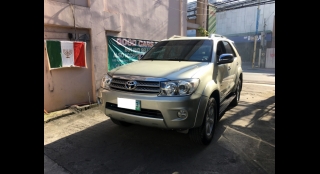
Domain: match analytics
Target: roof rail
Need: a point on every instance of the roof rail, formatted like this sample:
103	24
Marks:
216	35
176	36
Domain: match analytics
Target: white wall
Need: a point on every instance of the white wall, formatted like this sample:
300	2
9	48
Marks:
244	20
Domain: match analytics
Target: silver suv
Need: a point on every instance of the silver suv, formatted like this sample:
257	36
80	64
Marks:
181	83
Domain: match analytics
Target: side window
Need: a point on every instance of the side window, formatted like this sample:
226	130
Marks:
220	49
228	47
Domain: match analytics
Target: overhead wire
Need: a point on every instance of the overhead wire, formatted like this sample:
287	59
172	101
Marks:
231	3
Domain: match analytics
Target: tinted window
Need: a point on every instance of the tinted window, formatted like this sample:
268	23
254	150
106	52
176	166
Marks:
228	48
182	50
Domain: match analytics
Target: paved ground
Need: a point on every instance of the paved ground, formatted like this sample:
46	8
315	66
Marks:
258	75
88	142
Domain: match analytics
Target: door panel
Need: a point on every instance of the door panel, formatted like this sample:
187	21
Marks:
223	71
232	67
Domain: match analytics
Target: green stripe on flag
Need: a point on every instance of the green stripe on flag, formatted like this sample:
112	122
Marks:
54	53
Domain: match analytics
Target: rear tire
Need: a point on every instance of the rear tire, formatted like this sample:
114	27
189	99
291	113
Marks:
236	100
204	133
120	123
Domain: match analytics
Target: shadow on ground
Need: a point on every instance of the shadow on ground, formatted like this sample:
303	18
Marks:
108	148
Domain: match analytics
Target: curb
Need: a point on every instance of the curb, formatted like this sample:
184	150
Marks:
66	112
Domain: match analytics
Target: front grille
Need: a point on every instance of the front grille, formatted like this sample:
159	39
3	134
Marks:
142	86
143	113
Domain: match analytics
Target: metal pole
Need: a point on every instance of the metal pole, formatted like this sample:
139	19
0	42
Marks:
259	55
200	15
199	19
256	35
261	49
264	43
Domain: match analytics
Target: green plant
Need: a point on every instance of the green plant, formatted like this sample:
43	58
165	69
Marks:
203	32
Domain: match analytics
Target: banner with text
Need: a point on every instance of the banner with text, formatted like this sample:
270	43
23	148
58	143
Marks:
122	51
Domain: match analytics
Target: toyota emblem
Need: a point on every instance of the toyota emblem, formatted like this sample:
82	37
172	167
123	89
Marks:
131	85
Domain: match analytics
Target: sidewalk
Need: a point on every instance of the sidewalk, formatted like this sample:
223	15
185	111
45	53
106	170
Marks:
65	112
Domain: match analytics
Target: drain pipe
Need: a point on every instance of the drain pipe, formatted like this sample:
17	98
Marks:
181	32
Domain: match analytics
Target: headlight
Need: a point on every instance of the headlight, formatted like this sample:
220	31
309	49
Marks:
105	82
178	87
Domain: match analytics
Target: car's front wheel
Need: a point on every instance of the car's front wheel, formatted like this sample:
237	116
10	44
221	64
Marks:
204	133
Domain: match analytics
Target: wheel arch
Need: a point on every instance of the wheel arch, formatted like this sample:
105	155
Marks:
211	90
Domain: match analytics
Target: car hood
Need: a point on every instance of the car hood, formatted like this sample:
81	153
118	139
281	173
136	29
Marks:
161	69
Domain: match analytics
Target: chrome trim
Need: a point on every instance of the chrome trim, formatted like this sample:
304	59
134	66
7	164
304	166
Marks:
142	78
117	81
143	84
138	88
130	85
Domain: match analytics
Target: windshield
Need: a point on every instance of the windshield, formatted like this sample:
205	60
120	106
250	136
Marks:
181	50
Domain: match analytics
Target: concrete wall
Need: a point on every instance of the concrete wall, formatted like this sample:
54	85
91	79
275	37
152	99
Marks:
139	19
149	20
66	86
244	20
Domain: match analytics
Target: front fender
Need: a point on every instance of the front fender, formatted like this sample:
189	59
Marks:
239	72
210	87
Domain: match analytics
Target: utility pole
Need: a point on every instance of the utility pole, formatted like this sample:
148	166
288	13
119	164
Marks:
256	34
201	6
264	46
262	43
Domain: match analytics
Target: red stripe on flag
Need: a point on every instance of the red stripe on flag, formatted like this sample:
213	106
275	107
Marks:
79	54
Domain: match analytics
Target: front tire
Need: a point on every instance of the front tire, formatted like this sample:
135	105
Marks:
204	133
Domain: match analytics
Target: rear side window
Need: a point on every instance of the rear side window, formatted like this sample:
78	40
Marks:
228	48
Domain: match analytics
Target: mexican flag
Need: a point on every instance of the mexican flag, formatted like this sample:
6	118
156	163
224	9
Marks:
66	54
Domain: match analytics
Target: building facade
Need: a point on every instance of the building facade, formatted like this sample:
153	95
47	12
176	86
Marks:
91	21
240	25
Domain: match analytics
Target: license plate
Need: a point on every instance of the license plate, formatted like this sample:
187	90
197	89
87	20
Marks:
129	104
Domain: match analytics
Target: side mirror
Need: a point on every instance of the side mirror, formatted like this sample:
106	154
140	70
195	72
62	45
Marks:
225	58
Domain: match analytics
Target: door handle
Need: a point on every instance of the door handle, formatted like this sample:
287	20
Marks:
237	63
229	68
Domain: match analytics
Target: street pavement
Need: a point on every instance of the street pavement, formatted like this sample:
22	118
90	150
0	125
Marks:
258	75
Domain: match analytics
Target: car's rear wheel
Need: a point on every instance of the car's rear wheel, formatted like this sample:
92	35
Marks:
236	100
204	133
120	123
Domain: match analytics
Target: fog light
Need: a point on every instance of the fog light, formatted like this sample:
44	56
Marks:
182	113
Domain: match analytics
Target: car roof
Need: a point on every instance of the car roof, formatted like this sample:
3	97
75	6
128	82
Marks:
211	37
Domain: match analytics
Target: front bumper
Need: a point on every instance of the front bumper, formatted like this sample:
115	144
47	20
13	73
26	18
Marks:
161	112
